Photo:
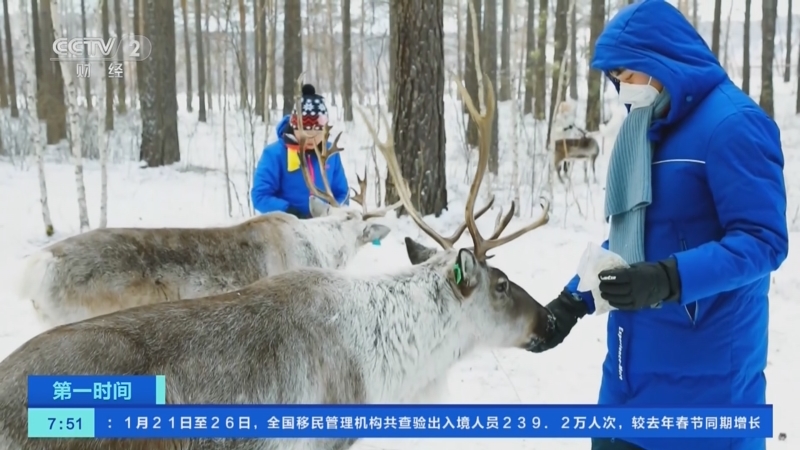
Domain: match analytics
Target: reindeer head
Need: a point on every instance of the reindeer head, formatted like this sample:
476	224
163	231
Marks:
323	204
501	313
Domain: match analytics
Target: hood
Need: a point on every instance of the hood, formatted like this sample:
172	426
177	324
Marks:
653	37
280	129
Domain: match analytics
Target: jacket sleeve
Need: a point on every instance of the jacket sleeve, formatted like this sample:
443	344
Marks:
587	296
744	168
339	186
266	182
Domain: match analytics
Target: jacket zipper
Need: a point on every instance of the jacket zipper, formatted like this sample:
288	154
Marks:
684	247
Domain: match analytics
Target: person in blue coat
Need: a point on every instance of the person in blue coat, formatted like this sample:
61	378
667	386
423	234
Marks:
278	183
696	202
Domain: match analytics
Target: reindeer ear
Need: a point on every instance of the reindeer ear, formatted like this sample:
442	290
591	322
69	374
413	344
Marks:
466	272
374	232
317	207
418	253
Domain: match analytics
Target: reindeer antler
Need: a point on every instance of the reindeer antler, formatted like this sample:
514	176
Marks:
322	151
358	196
393	167
484	125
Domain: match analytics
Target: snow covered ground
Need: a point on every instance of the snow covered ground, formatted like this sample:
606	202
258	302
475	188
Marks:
193	194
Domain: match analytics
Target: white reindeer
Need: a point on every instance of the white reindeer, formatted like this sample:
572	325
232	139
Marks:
310	336
109	269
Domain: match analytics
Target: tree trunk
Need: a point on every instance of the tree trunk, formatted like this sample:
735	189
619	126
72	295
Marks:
489	57
292	52
769	13
187	52
470	74
787	71
207	85
122	106
540	100
12	83
3	88
594	78
530	58
746	55
392	50
201	60
29	91
505	53
262	57
347	64
560	48
573	54
716	28
138	26
242	56
272	56
71	95
53	89
160	144
258	85
87	82
37	50
695	9
109	122
419	137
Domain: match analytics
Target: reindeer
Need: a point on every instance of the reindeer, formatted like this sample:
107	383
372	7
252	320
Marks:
110	269
583	148
308	336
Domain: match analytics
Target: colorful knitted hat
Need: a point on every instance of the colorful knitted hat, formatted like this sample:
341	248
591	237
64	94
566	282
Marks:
314	114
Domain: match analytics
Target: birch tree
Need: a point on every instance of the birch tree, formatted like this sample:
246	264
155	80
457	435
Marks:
71	98
29	90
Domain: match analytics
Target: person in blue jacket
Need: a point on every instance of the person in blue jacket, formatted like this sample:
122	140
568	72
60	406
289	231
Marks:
278	183
697	205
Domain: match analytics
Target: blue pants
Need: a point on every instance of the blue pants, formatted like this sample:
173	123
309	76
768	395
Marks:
613	444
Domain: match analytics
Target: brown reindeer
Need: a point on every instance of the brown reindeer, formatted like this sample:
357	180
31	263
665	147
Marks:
566	150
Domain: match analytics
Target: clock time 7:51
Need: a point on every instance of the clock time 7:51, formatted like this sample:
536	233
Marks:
70	423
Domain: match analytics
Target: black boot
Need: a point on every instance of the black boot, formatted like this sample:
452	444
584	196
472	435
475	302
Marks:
613	444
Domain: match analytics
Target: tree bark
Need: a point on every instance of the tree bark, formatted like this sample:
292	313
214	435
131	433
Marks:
3	88
746	55
292	52
122	106
52	90
109	116
716	28
530	58
470	74
540	100
87	82
769	12
347	63
242	56
573	54
505	53
489	57
160	144
787	70
201	60
594	78
560	48
12	83
419	137
187	52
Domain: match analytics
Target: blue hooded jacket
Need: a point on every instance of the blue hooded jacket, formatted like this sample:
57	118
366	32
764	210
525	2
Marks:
719	207
278	185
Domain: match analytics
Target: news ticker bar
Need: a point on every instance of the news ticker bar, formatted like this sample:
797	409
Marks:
398	421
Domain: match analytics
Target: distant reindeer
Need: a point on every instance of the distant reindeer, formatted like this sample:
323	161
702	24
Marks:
109	269
310	336
583	148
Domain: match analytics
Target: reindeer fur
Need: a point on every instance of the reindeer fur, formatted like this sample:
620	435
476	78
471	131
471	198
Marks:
106	270
311	336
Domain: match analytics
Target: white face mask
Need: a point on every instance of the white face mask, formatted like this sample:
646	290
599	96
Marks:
637	95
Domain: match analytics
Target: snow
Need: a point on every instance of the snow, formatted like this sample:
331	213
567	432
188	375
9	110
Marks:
193	194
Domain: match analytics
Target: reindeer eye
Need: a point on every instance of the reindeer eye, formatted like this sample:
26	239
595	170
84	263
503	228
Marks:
502	285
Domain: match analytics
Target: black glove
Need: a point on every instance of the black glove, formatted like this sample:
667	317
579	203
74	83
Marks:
295	212
565	311
641	285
